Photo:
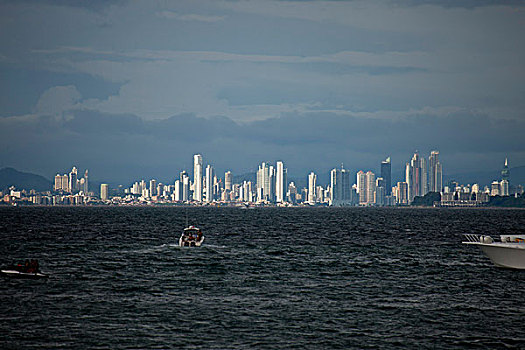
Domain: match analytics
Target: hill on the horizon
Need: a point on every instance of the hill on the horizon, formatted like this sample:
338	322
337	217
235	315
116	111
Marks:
23	181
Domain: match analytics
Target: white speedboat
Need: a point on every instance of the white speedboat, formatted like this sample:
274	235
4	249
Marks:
21	270
191	237
508	252
19	274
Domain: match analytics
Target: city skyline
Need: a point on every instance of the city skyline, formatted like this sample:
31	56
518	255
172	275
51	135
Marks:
423	183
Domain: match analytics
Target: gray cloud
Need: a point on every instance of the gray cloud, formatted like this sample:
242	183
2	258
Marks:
121	148
133	89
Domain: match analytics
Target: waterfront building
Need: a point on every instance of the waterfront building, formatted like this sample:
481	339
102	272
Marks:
380	193
265	183
61	183
370	187
312	198
197	178
184	179
85	188
505	172
435	172
228	180
292	193
386	174
177	191
494	189
416	177
504	188
209	184
402	193
153	187
73	179
280	183
340	187
361	186
104	192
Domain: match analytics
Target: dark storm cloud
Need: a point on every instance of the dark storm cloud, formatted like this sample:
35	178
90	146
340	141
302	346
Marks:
130	89
125	147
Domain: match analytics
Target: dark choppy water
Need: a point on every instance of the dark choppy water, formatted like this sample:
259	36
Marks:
266	278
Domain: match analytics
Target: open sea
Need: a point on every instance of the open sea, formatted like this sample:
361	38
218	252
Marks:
268	278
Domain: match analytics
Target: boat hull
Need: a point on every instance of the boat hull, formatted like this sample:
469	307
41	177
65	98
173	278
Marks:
183	243
505	255
18	274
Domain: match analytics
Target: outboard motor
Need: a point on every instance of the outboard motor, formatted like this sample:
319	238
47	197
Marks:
486	239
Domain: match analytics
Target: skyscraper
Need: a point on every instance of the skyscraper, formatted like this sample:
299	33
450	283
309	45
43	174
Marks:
73	177
379	194
416	177
435	172
177	191
386	174
361	186
312	191
280	183
86	184
61	183
505	172
228	179
153	187
340	187
197	178
265	187
104	192
209	184
185	183
370	187
402	193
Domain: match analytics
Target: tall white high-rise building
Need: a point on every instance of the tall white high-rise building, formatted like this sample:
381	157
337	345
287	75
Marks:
152	187
197	178
312	190
380	192
86	183
209	184
370	187
361	186
104	192
402	193
61	183
73	177
228	180
265	183
435	172
504	188
340	187
280	183
177	191
416	177
424	176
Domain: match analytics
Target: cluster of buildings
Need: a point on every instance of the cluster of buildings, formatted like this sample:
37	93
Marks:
271	187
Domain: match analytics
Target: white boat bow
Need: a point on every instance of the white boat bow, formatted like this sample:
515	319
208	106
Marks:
509	252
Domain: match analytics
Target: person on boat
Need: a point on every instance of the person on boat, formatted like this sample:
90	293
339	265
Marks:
199	235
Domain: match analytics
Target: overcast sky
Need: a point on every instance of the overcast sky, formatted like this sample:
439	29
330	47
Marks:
132	89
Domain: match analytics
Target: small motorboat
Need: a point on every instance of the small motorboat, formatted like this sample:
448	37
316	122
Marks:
27	270
191	237
508	252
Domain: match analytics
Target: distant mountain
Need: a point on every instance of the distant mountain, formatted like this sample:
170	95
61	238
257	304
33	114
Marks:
23	181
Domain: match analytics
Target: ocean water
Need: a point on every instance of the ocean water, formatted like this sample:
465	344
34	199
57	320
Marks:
270	278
